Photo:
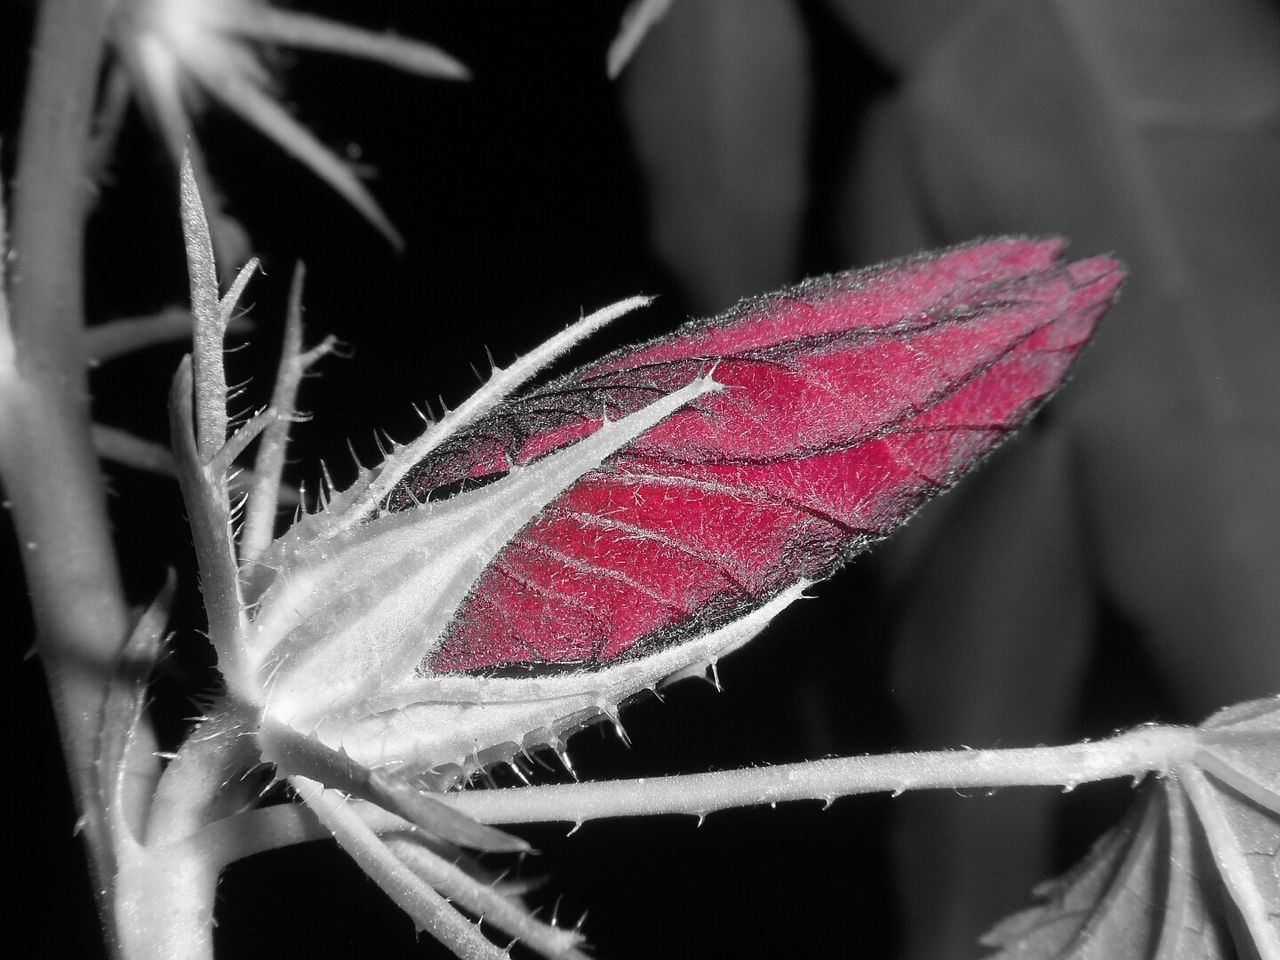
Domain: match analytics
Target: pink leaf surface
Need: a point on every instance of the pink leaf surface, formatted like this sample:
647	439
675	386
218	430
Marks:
849	401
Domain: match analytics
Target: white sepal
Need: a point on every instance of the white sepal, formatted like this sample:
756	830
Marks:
352	616
454	725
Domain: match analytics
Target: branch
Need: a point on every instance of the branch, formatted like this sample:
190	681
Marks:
130	450
105	342
260	515
428	909
1130	754
231	299
49	470
295	754
209	513
121	446
486	900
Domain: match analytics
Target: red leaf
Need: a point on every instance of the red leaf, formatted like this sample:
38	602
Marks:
851	400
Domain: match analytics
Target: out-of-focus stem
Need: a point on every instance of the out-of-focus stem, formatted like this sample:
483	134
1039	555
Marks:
52	187
51	476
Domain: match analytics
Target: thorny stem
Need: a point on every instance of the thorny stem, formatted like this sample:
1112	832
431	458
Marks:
50	474
1129	754
164	895
423	903
260	515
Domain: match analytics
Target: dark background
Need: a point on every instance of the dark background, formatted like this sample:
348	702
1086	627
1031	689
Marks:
523	204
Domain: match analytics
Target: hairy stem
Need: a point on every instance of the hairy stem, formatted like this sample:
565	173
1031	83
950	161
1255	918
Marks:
50	474
1130	754
164	896
166	899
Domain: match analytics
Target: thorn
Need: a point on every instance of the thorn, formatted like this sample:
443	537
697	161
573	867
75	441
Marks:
518	772
537	759
521	764
618	728
715	676
558	747
577	825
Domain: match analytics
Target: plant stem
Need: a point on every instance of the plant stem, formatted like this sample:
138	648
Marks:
1128	754
165	895
166	899
50	474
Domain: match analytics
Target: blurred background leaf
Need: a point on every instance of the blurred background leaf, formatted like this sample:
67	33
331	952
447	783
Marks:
1140	511
717	102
